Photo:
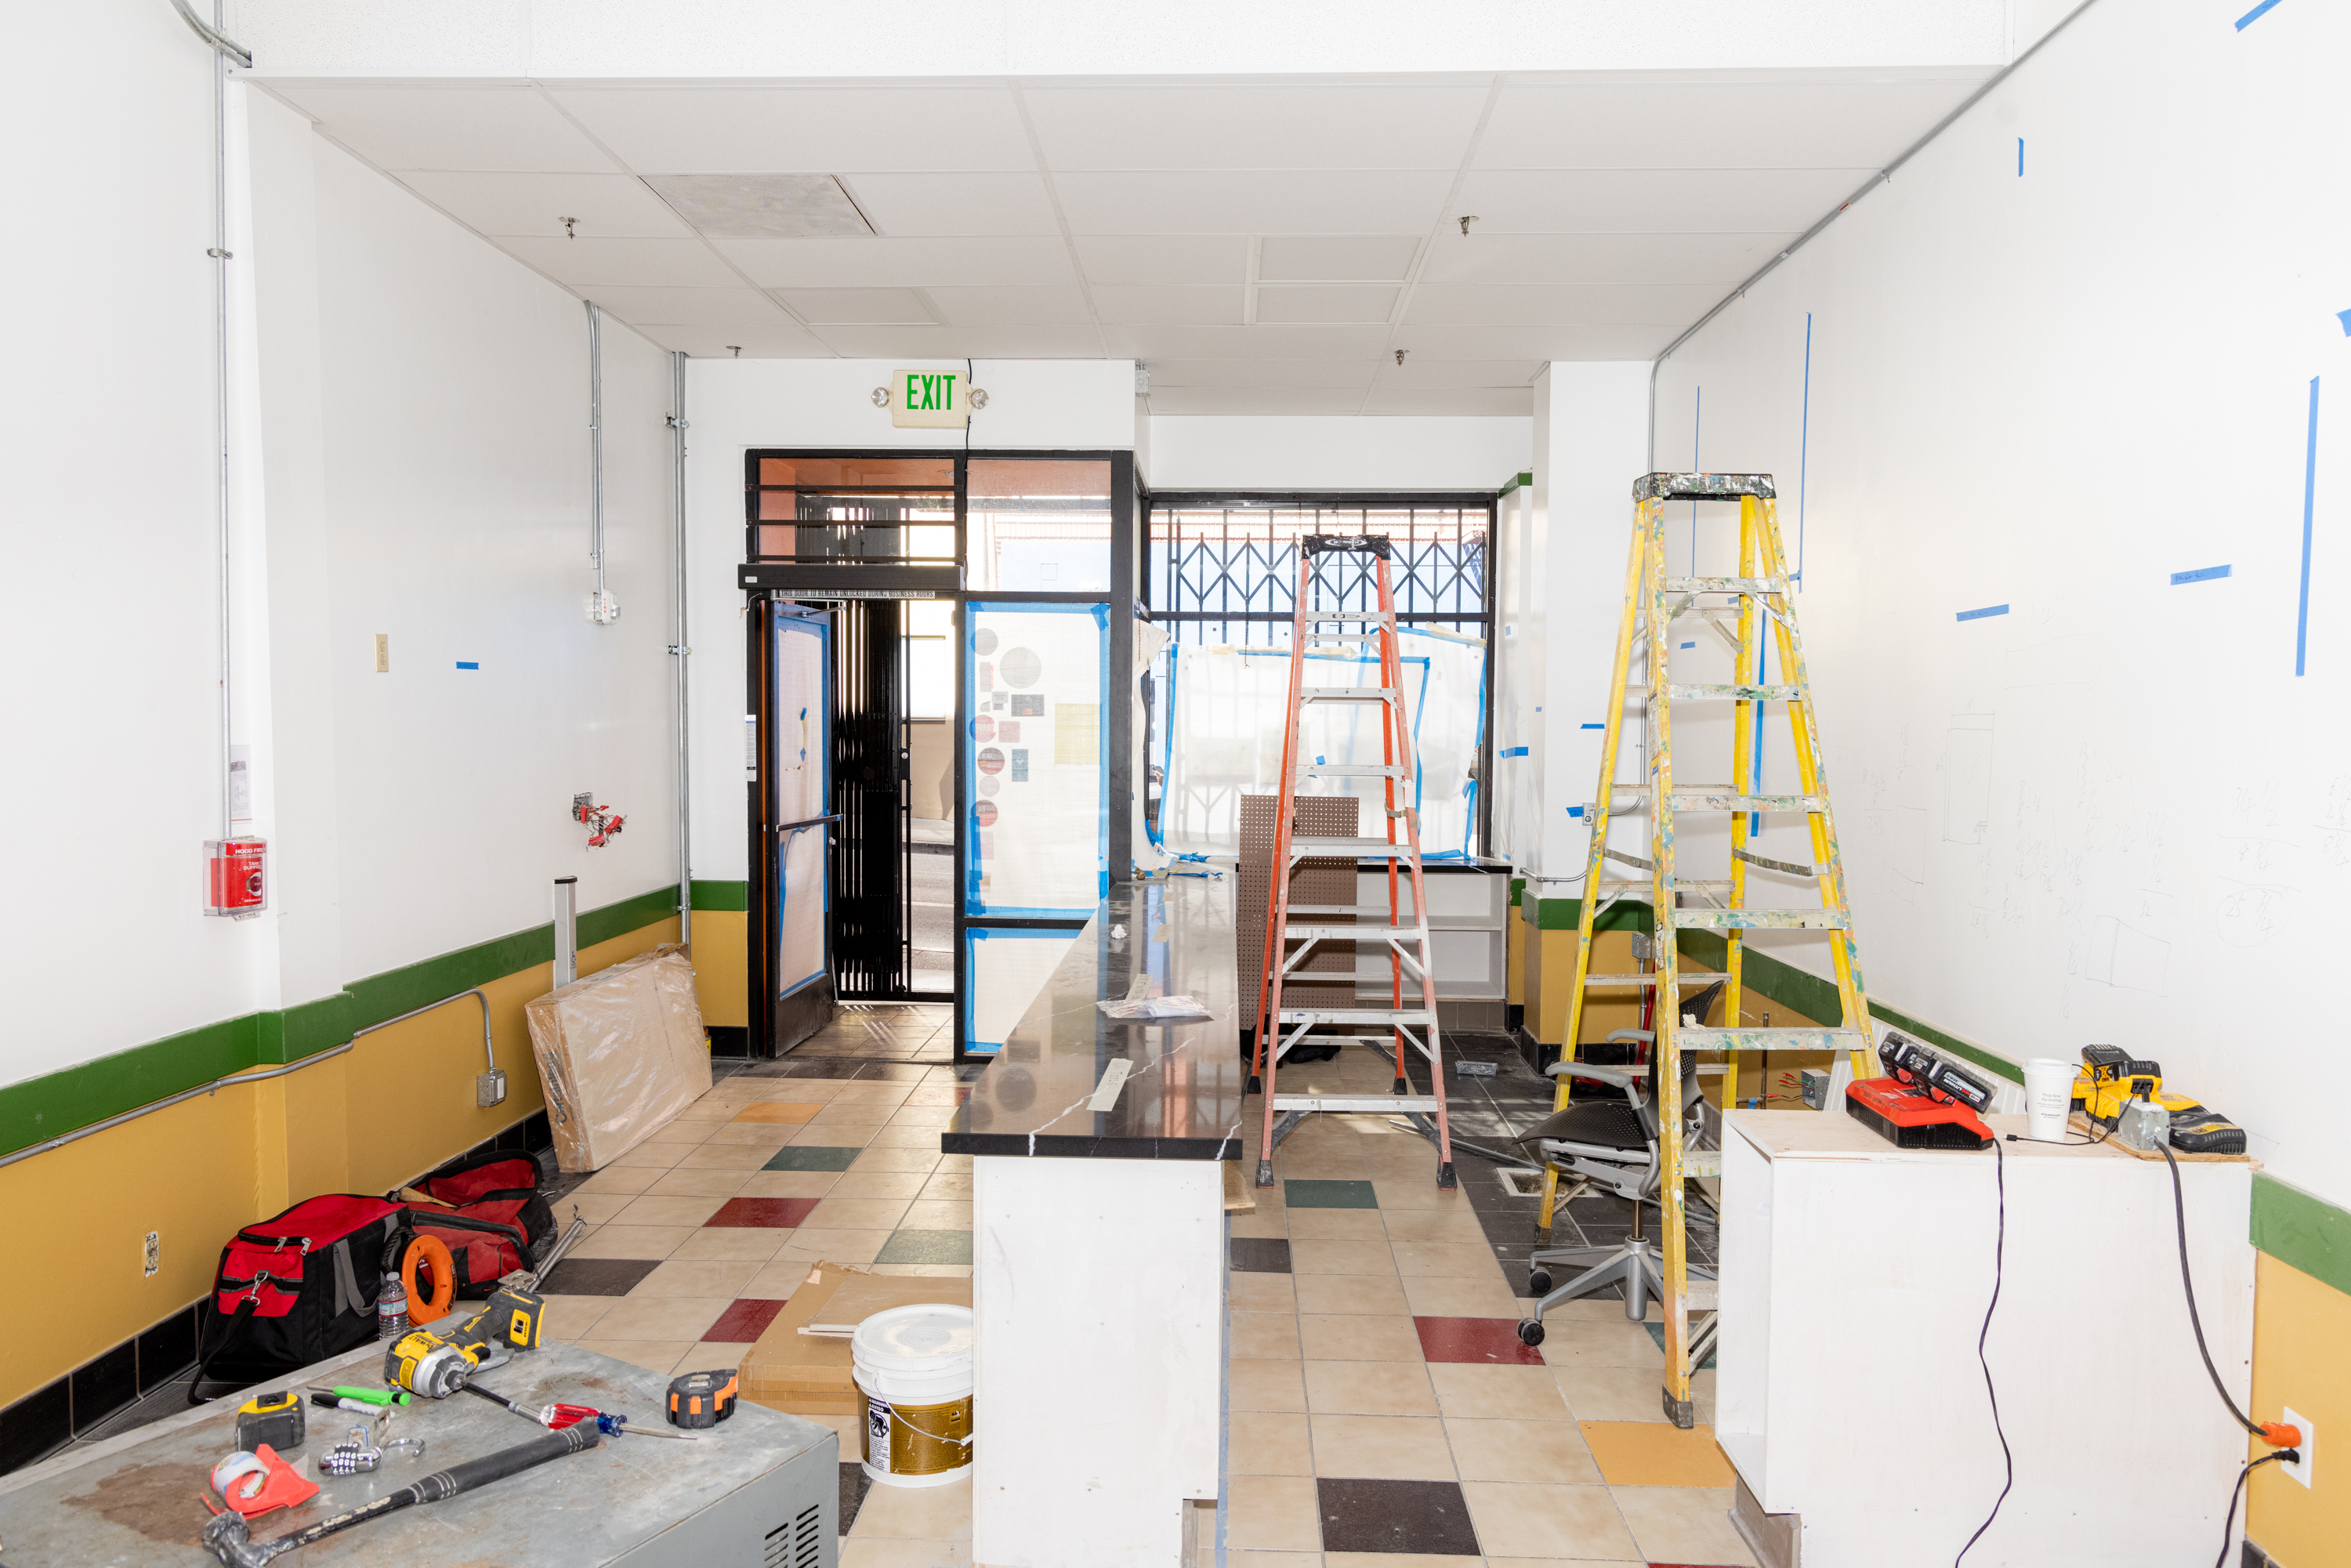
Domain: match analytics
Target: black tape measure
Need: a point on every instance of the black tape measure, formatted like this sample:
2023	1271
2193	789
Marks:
701	1399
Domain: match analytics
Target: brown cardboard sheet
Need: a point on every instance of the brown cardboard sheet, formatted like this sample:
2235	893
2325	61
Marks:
620	1053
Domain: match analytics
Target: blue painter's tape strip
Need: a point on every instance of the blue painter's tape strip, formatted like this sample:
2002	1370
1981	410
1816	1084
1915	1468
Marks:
468	664
1690	644
2309	499
1515	751
2345	316
1596	726
2255	14
1576	810
2201	574
1980	614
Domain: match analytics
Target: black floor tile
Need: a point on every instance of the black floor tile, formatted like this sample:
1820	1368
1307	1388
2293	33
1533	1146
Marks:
854	1484
597	1276
1259	1255
1425	1517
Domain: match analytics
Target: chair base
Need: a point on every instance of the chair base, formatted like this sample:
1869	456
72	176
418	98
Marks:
1633	1263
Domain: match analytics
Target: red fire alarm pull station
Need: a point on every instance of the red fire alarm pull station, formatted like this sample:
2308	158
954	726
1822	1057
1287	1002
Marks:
237	881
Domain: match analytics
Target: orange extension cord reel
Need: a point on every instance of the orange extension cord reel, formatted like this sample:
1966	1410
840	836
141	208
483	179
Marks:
444	1271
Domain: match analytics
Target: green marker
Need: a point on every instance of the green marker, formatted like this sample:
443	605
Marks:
367	1396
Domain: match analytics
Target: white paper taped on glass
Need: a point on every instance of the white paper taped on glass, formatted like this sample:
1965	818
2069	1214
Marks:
1219	734
1155	1010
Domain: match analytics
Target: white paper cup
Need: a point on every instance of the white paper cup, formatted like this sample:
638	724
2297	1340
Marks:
2048	1098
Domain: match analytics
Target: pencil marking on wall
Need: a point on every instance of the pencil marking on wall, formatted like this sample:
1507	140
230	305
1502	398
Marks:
2201	574
2127	959
2255	14
1966	788
1986	611
2309	500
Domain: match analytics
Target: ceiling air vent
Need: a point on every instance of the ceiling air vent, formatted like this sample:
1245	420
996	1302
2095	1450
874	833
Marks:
761	206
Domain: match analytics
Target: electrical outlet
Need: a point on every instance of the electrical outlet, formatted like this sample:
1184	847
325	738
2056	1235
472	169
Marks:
153	1256
383	652
2307	1448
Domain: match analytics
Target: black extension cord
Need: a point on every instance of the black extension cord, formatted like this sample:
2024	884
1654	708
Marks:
1999	1266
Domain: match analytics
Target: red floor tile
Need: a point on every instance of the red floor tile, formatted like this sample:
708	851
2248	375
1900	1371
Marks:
1489	1342
744	1322
779	1212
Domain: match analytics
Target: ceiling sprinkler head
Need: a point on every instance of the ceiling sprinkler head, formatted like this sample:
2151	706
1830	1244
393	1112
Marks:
1400	354
567	223
1466	220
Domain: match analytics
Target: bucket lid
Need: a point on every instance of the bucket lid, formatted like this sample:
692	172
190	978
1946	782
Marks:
913	1339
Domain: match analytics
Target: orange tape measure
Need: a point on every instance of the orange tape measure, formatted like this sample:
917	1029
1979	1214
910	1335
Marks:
701	1399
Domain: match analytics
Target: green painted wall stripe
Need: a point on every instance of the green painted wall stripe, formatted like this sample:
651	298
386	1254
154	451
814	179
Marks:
57	1102
1516	480
1518	890
1561	914
721	895
2305	1232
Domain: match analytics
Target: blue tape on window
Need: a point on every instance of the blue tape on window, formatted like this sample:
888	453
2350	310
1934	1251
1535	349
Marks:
1515	751
1596	726
1980	614
1690	644
2201	574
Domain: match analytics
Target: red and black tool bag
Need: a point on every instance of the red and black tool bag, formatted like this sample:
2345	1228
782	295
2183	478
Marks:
296	1288
496	1220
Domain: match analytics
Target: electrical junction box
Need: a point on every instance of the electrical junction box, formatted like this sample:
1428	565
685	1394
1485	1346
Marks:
236	877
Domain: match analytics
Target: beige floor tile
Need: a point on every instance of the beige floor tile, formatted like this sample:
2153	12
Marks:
615	1181
926	1270
935	1094
1357	1336
686	1318
1433	1225
1368	1389
900	1159
723	1277
833	1212
744	1157
648	1157
1270	1559
653	1355
678	1132
1397	1559
1382	1447
833	1245
1446	1260
652	1210
714	1354
896	1136
1308	1166
595	1207
917	1513
1350	1293
1438	1296
1599	1342
1469	1392
887	1551
1578	1522
632	1240
711	1243
945	1182
1270	1223
835	1136
868	1181
954	1165
1396	1192
788	1183
1272	1513
1266	1386
950	1213
1265	1336
860	1093
1262	1293
1344	1257
1550	1451
571	1317
1268	1443
698	1183
1336	1225
1626	1393
1683	1524
766	1135
710	1107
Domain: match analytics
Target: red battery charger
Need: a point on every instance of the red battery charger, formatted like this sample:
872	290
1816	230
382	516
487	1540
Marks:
1924	1102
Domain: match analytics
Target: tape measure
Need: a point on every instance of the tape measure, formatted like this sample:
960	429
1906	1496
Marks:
275	1419
701	1399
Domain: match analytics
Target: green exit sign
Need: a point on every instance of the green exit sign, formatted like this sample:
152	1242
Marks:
930	400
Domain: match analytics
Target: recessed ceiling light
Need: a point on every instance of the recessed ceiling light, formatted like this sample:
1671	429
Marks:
761	206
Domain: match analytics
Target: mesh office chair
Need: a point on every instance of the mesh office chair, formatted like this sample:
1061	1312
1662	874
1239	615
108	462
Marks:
1613	1143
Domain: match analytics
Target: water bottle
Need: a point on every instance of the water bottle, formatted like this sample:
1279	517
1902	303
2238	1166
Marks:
391	1309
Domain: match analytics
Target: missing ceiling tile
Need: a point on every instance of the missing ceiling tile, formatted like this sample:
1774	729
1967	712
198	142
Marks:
761	206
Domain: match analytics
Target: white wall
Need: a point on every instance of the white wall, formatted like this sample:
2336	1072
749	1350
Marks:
2114	814
1336	452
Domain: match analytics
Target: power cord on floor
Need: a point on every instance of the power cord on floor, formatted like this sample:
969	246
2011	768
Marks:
1999	1268
2228	1525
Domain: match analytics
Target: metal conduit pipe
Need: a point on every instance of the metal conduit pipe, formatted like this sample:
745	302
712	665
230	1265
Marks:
596	457
231	1082
220	255
489	1055
679	656
225	45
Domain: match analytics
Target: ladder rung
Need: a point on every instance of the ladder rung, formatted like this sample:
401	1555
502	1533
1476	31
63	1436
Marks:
1681	884
1761	919
1375	848
1694	1039
1705	693
1347	693
1724	584
1357	1103
1790	867
1415	1016
1357	932
1356	770
1368	617
1326	640
1687	977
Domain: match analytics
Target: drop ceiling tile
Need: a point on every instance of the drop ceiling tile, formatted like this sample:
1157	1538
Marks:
1221	126
1164	258
1261	373
397	128
1419	370
761	206
1716	125
1558	304
1721	259
1653	201
857	307
1255	202
582	263
607	206
1033	342
964	203
816	130
850	262
744	308
1640	342
1367	258
1255	400
1274	341
1325	302
785	342
1460	401
1062	303
1167	304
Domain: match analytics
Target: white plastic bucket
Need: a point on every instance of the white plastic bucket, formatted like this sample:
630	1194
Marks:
2048	1098
913	1364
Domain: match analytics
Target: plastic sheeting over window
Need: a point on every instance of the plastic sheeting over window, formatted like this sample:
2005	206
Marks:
1217	735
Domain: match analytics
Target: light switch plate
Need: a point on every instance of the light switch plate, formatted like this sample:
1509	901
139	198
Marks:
383	652
2308	1447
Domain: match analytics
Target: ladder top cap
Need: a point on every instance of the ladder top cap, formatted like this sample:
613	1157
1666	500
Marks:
1702	487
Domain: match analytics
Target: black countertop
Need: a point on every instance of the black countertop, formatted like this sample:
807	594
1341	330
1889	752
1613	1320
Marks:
1182	1097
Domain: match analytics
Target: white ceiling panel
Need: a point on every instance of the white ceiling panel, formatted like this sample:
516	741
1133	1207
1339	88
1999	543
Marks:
1261	373
1459	400
1255	202
814	130
607	206
1639	341
1418	370
784	341
1263	341
1325	302
1164	258
857	307
1558	304
965	203
583	263
502	127
1214	126
1716	125
1255	400
960	342
1167	304
744	308
1718	258
1653	201
761	206
850	262
1060	304
1354	258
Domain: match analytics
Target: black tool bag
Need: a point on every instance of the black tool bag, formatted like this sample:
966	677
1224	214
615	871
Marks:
295	1289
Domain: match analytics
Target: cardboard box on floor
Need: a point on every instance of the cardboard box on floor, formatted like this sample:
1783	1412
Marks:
808	1374
620	1053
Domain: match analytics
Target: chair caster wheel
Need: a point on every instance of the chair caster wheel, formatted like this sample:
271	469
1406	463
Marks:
1531	1331
1538	1284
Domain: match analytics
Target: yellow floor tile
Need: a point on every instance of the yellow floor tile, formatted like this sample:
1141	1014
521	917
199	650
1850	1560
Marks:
1268	1443
1266	1386
1357	1336
1350	1293
1272	1513
1577	1523
1656	1454
1684	1525
1265	1336
779	1111
1382	1447
1368	1389
1490	1451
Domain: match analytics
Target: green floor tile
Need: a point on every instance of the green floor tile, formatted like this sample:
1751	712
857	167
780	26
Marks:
809	1158
1328	1195
926	1246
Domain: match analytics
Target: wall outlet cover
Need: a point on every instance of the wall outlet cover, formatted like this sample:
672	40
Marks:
154	1258
2308	1449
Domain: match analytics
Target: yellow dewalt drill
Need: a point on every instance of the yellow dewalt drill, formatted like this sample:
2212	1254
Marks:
434	1367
